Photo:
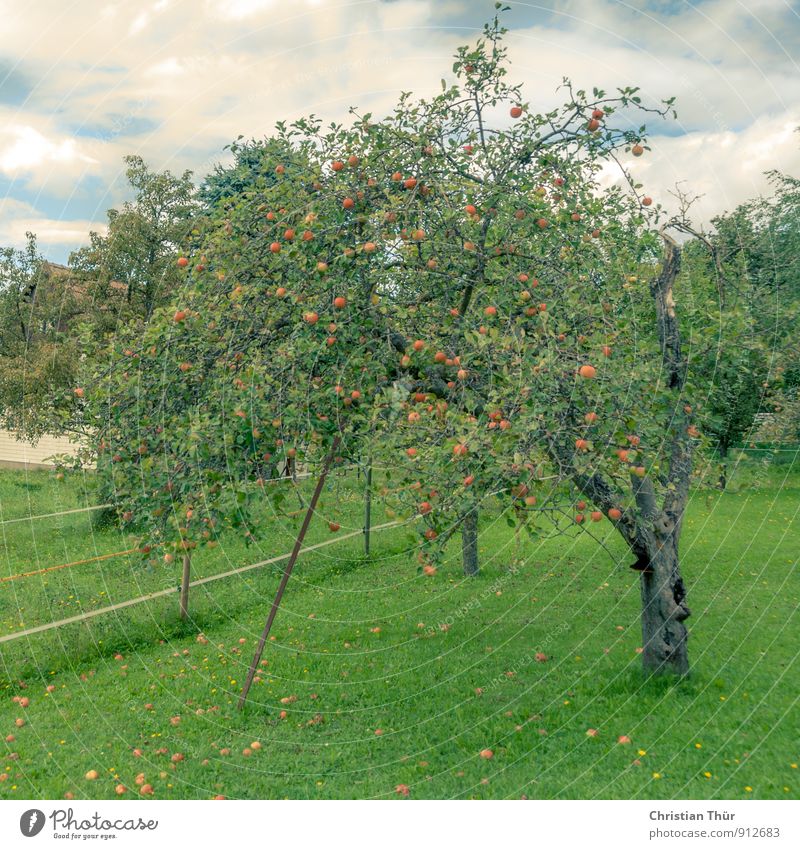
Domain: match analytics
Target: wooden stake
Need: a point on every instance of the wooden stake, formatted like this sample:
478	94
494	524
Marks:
187	565
368	507
288	571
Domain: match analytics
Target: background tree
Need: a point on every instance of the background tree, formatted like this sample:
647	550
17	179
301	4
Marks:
142	240
760	244
118	277
746	272
730	354
41	309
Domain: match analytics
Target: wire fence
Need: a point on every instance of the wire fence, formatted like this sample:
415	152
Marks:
90	614
55	515
83	562
20	519
199	582
112	554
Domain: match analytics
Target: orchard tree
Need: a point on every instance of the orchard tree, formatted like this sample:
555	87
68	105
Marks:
249	171
450	290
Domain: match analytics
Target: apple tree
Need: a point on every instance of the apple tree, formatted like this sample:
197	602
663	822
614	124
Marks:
457	290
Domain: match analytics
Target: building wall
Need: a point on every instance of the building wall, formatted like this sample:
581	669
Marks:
21	455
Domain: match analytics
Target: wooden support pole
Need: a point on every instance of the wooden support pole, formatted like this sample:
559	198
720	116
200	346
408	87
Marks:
187	567
288	571
368	507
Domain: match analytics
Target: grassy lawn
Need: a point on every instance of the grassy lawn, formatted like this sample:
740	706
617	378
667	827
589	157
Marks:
392	678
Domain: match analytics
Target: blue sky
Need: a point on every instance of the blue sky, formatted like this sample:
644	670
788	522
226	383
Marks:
83	84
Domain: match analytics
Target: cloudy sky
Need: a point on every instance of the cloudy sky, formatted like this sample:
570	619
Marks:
84	82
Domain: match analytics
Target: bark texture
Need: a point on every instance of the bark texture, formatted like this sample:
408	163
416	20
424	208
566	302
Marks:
664	635
664	609
469	542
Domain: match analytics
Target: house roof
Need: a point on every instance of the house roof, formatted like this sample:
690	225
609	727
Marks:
79	289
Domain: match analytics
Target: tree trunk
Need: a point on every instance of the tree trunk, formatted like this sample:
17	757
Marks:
664	610
653	532
723	471
469	542
187	564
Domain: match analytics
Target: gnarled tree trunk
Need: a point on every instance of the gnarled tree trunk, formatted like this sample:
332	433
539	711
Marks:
651	529
664	610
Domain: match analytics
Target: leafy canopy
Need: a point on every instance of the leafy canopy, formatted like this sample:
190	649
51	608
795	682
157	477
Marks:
457	289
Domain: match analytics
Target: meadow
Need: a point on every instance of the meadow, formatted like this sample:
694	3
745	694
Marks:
383	682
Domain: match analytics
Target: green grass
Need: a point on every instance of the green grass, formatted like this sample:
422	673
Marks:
441	639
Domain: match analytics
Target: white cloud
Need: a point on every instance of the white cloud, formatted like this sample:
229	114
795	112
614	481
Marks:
202	73
237	10
139	23
18	218
724	167
23	149
166	68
